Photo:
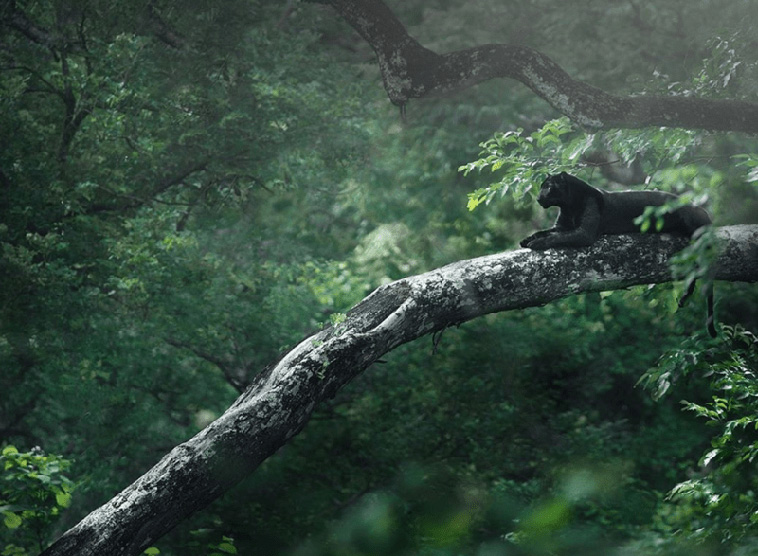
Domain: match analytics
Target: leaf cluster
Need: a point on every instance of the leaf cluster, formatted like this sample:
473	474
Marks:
719	502
523	160
34	493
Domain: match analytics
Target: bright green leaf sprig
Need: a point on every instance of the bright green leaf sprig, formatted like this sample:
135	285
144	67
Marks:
523	159
33	489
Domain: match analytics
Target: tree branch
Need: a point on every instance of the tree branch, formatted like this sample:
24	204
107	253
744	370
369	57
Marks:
75	111
233	373
21	23
137	201
409	70
162	30
282	398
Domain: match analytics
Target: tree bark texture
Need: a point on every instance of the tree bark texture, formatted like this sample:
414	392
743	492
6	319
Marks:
410	70
280	401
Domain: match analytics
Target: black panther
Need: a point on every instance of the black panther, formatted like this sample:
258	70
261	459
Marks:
588	212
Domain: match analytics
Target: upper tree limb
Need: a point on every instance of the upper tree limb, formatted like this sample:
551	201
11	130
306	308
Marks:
410	70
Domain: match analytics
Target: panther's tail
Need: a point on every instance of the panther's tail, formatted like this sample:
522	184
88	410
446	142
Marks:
710	323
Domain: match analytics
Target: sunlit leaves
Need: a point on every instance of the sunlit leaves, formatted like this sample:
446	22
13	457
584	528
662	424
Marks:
672	366
523	159
34	489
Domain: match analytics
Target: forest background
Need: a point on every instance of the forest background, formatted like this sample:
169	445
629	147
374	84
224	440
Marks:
188	189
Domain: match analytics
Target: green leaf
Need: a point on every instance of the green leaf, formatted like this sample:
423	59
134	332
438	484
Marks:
63	499
227	547
11	520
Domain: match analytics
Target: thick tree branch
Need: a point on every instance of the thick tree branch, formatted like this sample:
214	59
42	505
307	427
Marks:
410	70
280	401
163	31
18	20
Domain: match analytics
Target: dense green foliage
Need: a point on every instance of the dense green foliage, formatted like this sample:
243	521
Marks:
187	189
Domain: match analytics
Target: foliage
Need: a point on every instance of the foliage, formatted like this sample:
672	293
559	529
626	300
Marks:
35	492
523	158
527	160
719	502
719	71
751	162
695	261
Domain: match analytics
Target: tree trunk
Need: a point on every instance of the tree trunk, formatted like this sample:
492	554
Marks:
282	398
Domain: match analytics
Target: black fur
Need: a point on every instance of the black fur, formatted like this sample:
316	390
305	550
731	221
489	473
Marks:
588	212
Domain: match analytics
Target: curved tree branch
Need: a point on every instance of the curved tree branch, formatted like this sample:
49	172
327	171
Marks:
282	398
409	70
17	19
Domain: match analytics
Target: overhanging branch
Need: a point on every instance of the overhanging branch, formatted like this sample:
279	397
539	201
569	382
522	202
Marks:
409	70
282	398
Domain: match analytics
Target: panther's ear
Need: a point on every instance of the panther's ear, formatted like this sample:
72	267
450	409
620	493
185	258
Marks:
562	178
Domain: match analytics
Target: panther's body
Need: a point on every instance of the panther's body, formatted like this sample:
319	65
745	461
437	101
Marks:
588	212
